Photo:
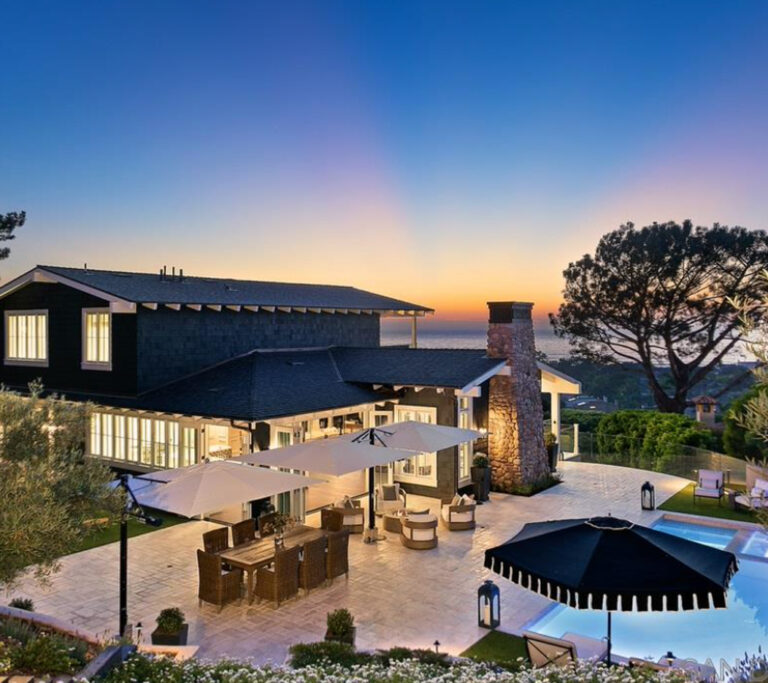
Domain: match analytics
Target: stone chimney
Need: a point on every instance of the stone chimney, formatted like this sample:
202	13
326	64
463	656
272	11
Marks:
515	416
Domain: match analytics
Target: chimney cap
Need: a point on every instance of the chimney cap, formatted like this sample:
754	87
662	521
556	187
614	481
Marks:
507	311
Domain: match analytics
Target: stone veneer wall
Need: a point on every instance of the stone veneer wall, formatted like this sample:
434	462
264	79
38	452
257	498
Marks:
515	415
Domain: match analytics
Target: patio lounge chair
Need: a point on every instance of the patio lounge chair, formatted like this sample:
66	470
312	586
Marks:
216	540
281	581
331	519
419	532
244	532
217	585
710	485
545	650
757	498
389	498
337	558
458	515
352	513
267	524
312	566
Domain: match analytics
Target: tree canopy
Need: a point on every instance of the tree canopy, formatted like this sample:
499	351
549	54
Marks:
660	296
48	488
8	224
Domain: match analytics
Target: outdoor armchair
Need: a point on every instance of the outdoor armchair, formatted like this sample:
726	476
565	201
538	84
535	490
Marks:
353	517
709	485
458	515
419	532
280	581
244	532
544	650
216	540
216	585
757	498
312	564
337	558
389	498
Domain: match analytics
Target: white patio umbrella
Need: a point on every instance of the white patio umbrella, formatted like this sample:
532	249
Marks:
334	457
211	486
421	437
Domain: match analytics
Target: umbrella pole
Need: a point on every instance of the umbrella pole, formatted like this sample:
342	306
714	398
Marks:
608	659
371	515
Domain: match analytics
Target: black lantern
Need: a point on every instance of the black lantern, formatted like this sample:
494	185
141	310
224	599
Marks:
488	600
647	496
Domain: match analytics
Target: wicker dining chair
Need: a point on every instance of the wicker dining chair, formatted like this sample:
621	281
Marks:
337	558
312	565
331	519
267	524
244	532
216	585
281	581
216	540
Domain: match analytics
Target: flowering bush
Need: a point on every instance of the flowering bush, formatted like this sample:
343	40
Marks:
141	669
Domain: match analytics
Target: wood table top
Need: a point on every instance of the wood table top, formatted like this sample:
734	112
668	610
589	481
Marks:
262	551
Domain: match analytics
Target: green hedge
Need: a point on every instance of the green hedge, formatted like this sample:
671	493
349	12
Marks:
586	419
648	439
737	441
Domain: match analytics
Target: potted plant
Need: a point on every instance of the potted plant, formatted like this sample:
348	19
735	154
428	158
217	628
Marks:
341	627
171	628
282	524
550	443
481	476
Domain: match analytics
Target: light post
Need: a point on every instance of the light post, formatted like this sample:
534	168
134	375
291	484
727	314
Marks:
131	508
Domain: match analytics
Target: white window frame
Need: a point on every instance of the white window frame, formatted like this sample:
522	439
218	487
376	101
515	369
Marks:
465	407
94	364
422	480
36	362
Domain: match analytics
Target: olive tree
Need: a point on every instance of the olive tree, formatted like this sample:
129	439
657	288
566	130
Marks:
49	490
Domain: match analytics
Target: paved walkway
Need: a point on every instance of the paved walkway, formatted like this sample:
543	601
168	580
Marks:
398	596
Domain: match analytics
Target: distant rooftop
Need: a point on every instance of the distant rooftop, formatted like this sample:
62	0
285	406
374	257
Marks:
154	288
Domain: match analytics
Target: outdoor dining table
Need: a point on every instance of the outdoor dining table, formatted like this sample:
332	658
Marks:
261	552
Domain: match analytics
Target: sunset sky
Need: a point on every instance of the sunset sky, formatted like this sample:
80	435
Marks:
447	153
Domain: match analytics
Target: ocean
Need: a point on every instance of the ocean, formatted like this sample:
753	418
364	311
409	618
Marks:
444	335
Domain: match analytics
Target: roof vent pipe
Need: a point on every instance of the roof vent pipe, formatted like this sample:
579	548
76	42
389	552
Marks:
181	274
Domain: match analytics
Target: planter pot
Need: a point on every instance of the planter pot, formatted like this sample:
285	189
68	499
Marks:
349	639
481	478
179	638
552	452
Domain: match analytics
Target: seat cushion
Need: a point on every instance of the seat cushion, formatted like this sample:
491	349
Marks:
761	484
456	500
463	516
707	492
389	493
709	483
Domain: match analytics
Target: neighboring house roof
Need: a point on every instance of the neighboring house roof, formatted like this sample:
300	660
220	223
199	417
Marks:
454	368
704	399
151	288
261	385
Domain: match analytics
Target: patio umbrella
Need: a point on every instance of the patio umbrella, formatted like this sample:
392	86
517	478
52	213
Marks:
606	563
420	437
334	457
211	486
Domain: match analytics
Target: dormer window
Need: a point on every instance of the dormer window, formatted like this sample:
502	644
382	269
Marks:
97	339
26	338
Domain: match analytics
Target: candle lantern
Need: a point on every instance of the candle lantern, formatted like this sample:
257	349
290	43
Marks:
488	605
647	496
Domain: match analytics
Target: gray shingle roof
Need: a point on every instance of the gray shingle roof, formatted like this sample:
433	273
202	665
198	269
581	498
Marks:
455	368
149	288
261	385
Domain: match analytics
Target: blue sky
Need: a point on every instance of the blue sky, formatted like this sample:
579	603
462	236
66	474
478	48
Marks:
444	152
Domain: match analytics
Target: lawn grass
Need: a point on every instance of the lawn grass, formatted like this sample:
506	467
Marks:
498	647
111	533
708	507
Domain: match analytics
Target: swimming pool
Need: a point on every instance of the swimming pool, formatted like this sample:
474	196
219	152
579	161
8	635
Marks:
715	634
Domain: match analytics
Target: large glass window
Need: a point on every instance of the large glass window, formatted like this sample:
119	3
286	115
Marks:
146	441
188	446
120	437
422	467
173	444
132	440
95	434
97	338
26	337
464	409
106	435
160	446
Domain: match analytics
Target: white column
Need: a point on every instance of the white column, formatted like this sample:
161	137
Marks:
576	439
414	339
555	412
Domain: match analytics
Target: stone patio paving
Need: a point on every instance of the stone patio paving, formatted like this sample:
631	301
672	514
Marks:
398	596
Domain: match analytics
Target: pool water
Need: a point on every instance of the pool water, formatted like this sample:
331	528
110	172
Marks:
714	634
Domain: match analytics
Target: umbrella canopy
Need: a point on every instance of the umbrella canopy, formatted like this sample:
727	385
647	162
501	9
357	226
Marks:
421	437
211	486
612	564
327	456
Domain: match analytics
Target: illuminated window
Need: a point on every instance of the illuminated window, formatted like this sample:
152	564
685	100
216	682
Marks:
464	408
420	468
132	439
119	437
26	337
146	441
95	434
106	435
97	339
160	445
188	446
173	444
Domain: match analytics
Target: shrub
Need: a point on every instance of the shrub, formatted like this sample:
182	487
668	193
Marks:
545	482
170	620
331	652
737	440
586	419
16	631
426	657
44	654
549	440
340	623
480	461
22	603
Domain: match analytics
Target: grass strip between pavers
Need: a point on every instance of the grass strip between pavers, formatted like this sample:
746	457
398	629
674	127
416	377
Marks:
682	501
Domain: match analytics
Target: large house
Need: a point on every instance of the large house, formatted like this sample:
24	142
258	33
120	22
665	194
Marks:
184	368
